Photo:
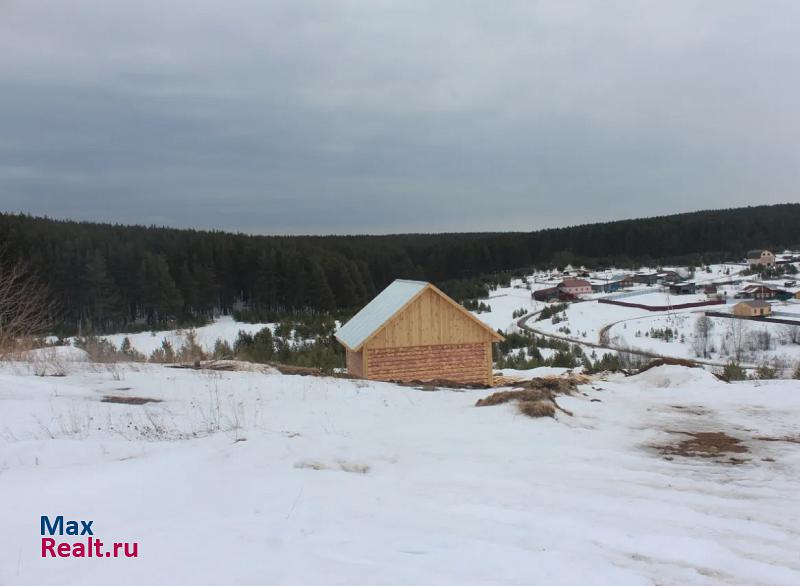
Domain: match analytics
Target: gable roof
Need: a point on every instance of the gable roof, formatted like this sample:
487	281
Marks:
755	253
574	283
754	303
388	303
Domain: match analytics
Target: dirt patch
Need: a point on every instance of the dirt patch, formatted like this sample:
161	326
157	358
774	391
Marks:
128	400
706	444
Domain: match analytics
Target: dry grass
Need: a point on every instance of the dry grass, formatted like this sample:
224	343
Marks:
537	397
543	408
670	361
501	397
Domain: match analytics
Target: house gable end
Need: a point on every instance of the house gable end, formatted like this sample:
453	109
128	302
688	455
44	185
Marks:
431	318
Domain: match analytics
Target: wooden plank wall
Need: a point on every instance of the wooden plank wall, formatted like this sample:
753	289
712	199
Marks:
463	363
427	321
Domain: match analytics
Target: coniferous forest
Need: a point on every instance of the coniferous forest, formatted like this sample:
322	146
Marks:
108	277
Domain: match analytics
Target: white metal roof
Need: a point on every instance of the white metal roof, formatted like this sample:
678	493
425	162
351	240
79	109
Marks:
375	313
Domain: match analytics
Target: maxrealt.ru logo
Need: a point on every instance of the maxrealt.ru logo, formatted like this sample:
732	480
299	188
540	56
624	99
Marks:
87	547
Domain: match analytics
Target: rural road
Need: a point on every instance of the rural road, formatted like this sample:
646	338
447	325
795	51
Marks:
604	343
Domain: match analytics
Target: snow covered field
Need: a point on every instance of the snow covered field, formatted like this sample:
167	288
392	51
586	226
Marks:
591	317
350	482
504	301
632	333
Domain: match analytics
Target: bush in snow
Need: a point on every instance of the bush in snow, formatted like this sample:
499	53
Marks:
191	351
732	371
165	354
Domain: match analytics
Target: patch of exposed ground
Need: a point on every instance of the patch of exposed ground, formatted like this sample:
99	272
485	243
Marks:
706	444
537	397
128	400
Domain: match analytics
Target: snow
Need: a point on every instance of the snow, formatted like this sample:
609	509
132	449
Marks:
631	334
355	482
671	376
535	372
664	299
504	301
224	328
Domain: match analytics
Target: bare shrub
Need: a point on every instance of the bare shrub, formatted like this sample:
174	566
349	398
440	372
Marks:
130	353
191	351
737	333
165	354
792	333
631	361
99	349
24	306
702	330
47	362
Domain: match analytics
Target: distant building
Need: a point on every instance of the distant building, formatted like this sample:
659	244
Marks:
600	286
575	287
645	278
626	281
759	292
760	258
754	308
682	289
669	277
551	294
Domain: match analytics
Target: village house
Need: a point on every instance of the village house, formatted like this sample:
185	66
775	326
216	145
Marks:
575	287
759	292
669	277
760	258
752	308
645	278
602	286
626	281
682	289
546	294
413	331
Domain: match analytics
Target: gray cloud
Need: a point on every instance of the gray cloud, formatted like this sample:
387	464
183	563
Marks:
382	116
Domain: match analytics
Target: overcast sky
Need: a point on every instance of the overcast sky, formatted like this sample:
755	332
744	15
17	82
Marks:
334	116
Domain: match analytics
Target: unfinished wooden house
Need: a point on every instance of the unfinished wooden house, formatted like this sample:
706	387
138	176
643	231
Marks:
413	331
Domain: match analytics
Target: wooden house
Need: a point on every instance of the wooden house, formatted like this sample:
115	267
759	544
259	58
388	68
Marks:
412	331
682	288
760	258
754	308
645	278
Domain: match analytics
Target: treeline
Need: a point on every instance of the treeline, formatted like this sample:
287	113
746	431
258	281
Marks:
111	277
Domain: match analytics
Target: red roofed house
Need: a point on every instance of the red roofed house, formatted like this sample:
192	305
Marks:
575	287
